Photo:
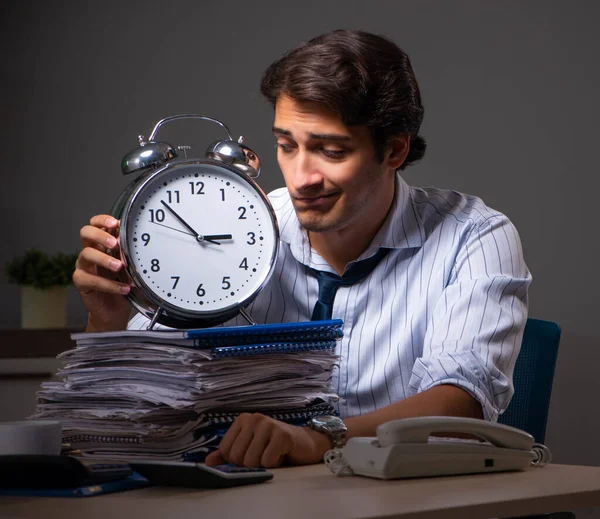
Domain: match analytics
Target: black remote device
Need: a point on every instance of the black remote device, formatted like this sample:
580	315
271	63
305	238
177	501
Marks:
198	475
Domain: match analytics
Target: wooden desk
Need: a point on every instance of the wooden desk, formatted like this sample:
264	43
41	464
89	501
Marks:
312	492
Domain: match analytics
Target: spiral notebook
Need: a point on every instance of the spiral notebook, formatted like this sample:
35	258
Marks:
203	438
301	332
214	421
172	393
230	341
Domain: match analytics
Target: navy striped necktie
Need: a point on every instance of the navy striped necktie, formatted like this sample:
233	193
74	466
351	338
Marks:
329	283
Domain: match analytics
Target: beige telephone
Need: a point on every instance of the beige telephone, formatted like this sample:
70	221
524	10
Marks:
405	449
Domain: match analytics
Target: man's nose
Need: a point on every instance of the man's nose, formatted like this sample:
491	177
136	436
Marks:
306	172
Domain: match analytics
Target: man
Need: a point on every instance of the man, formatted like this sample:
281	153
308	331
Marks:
434	325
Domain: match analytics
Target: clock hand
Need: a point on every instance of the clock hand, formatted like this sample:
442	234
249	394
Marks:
186	225
218	236
212	237
172	228
199	237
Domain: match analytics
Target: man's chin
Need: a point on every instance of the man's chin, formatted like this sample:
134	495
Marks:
318	219
316	224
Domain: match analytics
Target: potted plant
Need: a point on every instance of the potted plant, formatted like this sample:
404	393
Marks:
44	280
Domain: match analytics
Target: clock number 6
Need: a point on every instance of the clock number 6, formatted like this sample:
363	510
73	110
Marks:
200	292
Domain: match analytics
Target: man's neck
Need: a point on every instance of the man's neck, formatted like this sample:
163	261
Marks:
341	247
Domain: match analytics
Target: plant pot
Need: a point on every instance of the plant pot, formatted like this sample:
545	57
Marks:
45	308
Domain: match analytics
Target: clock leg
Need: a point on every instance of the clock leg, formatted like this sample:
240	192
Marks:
155	317
246	316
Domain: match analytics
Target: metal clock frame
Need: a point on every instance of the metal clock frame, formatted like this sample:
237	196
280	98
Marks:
153	306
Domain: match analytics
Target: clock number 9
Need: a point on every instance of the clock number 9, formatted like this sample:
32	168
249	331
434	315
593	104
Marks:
200	292
145	238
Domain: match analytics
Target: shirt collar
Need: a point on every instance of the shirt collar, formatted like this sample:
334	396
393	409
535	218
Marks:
402	229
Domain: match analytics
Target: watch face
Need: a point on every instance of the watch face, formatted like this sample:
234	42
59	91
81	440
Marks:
328	421
199	239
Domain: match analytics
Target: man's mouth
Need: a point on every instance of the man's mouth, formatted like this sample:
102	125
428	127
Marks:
323	199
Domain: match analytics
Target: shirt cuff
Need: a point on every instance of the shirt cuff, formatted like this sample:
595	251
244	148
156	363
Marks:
489	386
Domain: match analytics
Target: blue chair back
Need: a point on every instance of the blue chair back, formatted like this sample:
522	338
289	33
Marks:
534	371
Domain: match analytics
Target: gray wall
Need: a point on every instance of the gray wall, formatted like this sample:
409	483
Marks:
511	96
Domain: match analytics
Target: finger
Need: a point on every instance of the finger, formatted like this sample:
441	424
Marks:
279	446
257	446
237	453
104	220
230	436
99	238
214	458
85	283
89	259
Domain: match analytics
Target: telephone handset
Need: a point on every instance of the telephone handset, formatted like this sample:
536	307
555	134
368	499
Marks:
406	448
418	430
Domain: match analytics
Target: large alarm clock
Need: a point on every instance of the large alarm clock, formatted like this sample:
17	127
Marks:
198	236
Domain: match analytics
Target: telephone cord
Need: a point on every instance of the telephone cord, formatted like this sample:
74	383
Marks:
542	454
337	464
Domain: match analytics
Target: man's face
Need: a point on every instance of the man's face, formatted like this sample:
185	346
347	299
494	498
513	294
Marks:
330	169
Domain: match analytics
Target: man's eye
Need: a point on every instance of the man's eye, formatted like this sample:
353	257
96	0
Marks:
285	148
334	154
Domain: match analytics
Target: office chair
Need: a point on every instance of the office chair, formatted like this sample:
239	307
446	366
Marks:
534	371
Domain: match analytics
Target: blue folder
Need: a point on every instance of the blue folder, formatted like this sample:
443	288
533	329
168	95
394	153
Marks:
131	483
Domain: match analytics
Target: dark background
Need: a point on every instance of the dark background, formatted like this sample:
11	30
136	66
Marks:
511	97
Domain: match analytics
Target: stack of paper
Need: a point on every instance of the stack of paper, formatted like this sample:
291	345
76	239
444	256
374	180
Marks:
172	394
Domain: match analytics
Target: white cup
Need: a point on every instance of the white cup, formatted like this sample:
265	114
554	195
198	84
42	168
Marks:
30	437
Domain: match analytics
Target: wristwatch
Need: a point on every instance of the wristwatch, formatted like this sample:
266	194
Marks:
332	426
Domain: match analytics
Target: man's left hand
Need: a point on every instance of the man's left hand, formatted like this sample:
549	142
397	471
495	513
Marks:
255	440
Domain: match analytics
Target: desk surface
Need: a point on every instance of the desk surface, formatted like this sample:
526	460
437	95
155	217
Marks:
299	492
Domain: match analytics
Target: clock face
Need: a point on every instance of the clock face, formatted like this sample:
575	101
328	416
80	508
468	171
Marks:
199	238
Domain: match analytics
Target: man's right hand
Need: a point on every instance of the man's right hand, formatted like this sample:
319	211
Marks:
104	298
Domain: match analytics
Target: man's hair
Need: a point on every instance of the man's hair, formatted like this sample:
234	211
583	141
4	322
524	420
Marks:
365	78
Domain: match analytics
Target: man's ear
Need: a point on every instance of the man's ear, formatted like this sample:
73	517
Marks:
397	149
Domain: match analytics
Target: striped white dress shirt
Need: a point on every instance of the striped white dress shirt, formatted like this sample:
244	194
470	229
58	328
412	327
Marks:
447	305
